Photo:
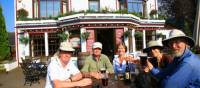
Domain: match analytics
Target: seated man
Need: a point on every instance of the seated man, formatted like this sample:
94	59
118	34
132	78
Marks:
62	72
95	62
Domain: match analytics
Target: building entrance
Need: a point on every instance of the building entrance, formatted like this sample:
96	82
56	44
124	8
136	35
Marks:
106	37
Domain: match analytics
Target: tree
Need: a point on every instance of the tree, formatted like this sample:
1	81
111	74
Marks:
4	43
183	11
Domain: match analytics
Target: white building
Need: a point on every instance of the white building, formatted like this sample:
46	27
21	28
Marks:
106	21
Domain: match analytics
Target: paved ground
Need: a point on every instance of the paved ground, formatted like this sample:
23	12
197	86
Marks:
15	79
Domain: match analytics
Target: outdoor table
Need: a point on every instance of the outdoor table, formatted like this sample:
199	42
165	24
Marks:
112	83
139	79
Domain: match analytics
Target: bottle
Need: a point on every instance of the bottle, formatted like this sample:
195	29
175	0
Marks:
127	73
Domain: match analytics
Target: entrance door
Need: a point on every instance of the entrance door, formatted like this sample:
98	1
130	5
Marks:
106	37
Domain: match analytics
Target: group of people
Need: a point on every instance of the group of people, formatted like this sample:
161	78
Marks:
176	70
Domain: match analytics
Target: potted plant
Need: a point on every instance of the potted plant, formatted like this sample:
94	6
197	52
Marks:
126	34
153	13
85	35
63	36
22	14
160	35
138	35
24	40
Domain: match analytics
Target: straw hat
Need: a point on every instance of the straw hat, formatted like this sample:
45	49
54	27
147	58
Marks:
175	33
152	44
97	45
66	46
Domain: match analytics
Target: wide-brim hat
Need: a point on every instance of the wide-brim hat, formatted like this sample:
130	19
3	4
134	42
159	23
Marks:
152	44
96	45
66	46
175	33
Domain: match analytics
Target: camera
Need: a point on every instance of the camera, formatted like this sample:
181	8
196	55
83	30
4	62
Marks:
143	60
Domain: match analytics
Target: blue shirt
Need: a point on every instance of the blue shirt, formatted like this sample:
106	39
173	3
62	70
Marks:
183	72
120	68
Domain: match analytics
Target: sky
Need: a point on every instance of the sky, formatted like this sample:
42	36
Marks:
8	12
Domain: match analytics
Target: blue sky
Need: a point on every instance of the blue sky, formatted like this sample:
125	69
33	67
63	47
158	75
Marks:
8	12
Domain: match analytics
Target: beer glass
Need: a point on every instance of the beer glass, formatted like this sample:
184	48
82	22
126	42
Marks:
104	77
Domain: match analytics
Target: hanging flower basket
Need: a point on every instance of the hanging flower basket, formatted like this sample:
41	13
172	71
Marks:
24	40
85	35
138	35
160	35
126	34
63	36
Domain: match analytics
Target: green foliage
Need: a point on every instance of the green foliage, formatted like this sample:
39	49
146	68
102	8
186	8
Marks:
126	34
187	29
105	10
196	50
22	14
138	35
138	14
4	43
180	9
160	35
63	36
153	12
85	35
23	40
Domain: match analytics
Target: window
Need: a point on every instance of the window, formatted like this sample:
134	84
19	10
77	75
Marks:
53	41
94	5
65	6
49	8
135	6
122	4
139	40
38	44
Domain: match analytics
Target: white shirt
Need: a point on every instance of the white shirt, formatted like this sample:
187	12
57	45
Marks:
57	72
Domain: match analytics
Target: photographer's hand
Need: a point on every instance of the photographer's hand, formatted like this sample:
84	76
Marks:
149	65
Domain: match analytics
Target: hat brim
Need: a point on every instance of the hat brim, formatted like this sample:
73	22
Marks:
146	50
67	50
189	40
97	47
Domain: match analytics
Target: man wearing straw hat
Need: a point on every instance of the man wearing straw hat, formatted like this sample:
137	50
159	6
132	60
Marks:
184	71
62	72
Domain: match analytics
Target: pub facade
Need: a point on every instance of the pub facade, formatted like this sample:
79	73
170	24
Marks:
107	21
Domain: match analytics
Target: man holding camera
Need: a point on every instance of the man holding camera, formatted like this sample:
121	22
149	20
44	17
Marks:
184	71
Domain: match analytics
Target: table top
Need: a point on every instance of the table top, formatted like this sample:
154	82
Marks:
139	79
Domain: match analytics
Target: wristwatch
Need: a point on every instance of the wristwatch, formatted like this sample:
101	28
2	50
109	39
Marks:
70	79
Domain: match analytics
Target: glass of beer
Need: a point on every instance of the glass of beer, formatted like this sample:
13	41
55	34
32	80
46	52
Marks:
103	70
105	81
104	77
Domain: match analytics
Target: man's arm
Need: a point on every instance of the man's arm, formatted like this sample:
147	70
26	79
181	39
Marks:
109	65
68	83
86	65
76	77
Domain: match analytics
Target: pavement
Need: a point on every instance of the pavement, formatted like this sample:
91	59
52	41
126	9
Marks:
15	79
